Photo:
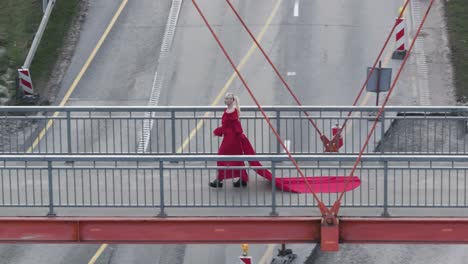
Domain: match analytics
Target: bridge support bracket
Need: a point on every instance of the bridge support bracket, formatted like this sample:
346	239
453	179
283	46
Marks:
329	235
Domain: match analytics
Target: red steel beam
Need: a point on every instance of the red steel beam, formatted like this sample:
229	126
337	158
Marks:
160	230
404	230
211	230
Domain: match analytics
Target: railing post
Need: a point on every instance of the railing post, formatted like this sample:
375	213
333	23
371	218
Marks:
385	163
173	131
278	129
69	138
161	190
51	190
382	131
385	198
273	189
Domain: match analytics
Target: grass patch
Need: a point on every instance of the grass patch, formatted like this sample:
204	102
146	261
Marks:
457	21
19	21
54	36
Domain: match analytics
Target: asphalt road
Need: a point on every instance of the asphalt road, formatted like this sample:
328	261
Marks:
325	53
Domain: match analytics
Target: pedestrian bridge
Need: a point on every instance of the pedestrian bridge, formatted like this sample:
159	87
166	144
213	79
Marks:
140	175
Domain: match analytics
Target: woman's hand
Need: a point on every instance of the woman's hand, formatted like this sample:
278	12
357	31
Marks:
218	132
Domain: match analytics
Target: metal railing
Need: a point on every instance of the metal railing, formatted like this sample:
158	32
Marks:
188	130
161	182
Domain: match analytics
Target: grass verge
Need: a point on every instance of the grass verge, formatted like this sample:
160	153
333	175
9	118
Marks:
19	21
457	21
53	39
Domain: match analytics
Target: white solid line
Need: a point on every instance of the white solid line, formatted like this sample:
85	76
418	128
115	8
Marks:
266	258
296	8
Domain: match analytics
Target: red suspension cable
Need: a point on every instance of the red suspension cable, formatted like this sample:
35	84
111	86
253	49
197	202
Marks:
273	66
323	209
322	137
371	72
336	205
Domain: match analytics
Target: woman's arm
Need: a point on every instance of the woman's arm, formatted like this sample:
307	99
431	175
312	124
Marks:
238	127
218	131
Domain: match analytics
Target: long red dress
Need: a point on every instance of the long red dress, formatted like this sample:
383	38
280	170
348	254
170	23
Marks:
236	143
232	133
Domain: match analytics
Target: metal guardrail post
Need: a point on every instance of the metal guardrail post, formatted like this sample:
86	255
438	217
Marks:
44	5
51	190
161	190
382	132
278	126
385	198
273	190
173	131
69	139
39	34
385	163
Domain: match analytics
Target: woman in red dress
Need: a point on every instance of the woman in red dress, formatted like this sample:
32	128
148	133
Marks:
232	133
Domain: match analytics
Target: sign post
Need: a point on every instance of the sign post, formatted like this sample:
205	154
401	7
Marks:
380	80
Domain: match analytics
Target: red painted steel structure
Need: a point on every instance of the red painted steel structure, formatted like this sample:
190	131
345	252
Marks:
213	230
330	215
329	230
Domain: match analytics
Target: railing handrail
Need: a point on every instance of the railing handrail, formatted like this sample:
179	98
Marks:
273	158
220	108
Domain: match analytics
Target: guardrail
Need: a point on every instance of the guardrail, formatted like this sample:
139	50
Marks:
188	130
161	182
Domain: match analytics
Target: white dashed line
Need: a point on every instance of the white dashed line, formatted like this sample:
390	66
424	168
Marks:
291	74
421	63
296	8
160	74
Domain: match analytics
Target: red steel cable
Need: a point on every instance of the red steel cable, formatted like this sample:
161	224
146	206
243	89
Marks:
273	66
336	205
371	72
289	89
323	209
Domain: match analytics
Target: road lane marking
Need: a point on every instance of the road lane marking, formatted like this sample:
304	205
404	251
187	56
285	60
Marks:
163	61
80	74
291	74
296	8
72	88
233	76
419	56
268	254
98	253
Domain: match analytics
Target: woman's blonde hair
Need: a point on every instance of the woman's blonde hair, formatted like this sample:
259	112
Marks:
236	101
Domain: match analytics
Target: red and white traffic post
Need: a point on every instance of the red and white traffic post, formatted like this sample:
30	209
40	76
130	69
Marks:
245	258
25	82
400	38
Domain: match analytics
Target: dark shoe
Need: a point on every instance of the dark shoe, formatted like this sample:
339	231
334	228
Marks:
216	184
239	183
